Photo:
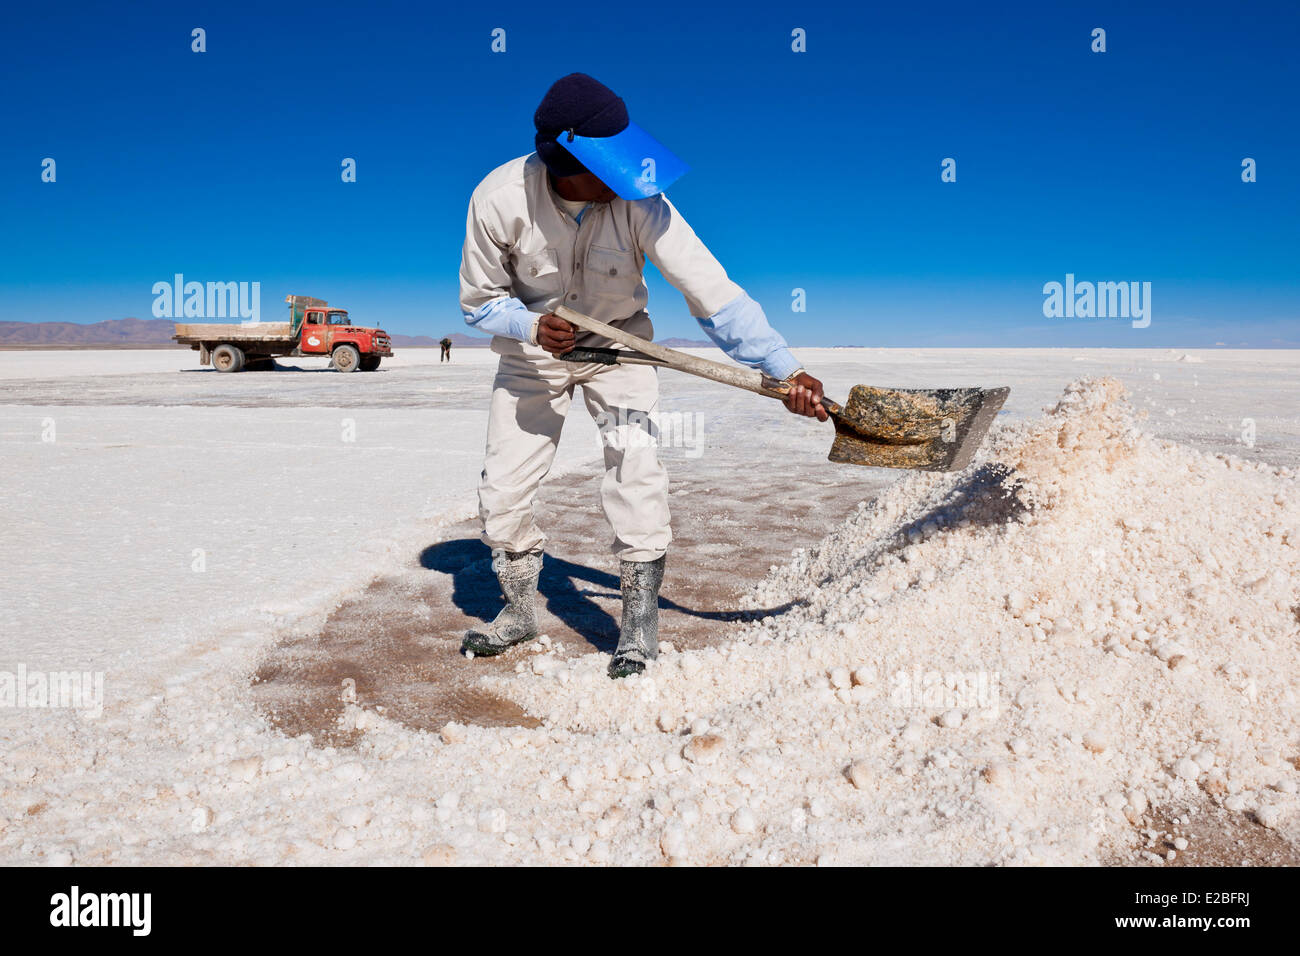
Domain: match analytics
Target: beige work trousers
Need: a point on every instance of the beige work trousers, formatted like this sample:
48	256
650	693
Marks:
531	396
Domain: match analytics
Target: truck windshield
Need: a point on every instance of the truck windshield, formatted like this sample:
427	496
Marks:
339	318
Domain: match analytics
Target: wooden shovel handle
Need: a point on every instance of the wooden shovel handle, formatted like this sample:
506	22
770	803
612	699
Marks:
749	379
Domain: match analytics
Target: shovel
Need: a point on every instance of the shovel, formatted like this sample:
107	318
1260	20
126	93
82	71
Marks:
927	429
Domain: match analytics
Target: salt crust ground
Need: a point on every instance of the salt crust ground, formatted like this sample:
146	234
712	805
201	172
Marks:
1117	612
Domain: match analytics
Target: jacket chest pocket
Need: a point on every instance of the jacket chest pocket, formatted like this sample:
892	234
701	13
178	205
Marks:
538	273
610	270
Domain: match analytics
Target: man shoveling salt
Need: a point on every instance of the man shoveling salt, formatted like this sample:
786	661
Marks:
573	224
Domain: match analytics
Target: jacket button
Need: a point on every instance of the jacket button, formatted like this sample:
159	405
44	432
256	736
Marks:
572	297
534	270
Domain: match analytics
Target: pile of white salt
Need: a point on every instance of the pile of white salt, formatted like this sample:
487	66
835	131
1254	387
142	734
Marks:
1020	663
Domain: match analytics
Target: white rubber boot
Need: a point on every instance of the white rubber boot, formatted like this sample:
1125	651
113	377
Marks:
517	622
638	638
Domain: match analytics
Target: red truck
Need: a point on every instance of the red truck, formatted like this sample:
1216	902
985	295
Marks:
314	328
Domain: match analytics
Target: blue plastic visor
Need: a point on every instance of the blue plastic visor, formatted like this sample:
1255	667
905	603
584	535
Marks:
632	163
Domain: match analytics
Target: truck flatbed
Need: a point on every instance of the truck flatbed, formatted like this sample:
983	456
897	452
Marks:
196	332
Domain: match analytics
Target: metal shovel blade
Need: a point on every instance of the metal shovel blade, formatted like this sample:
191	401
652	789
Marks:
926	429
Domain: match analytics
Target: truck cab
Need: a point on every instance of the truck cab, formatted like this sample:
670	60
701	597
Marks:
329	331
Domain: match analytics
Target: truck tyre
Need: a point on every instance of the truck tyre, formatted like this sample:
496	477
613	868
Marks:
370	362
228	358
347	358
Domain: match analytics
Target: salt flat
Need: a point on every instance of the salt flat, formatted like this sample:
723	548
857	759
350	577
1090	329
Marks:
177	519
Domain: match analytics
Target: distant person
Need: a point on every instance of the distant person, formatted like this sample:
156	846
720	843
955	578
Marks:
575	223
446	349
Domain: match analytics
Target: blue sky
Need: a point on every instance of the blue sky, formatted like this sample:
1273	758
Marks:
816	170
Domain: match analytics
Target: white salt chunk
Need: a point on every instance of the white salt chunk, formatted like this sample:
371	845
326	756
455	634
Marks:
1269	816
354	816
673	841
860	774
440	854
1095	741
704	749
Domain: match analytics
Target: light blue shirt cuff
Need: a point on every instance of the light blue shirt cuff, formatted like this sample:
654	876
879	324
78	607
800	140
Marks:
741	330
505	316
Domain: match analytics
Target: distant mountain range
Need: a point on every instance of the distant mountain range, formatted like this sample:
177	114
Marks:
157	333
115	332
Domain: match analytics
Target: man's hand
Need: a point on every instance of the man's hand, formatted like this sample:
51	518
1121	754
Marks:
804	397
557	336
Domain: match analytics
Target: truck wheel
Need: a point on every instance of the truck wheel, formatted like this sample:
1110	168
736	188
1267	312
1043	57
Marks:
228	358
347	358
370	362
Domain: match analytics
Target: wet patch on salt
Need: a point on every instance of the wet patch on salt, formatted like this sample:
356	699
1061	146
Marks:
398	641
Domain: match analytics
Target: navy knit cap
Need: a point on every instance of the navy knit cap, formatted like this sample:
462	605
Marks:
579	103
